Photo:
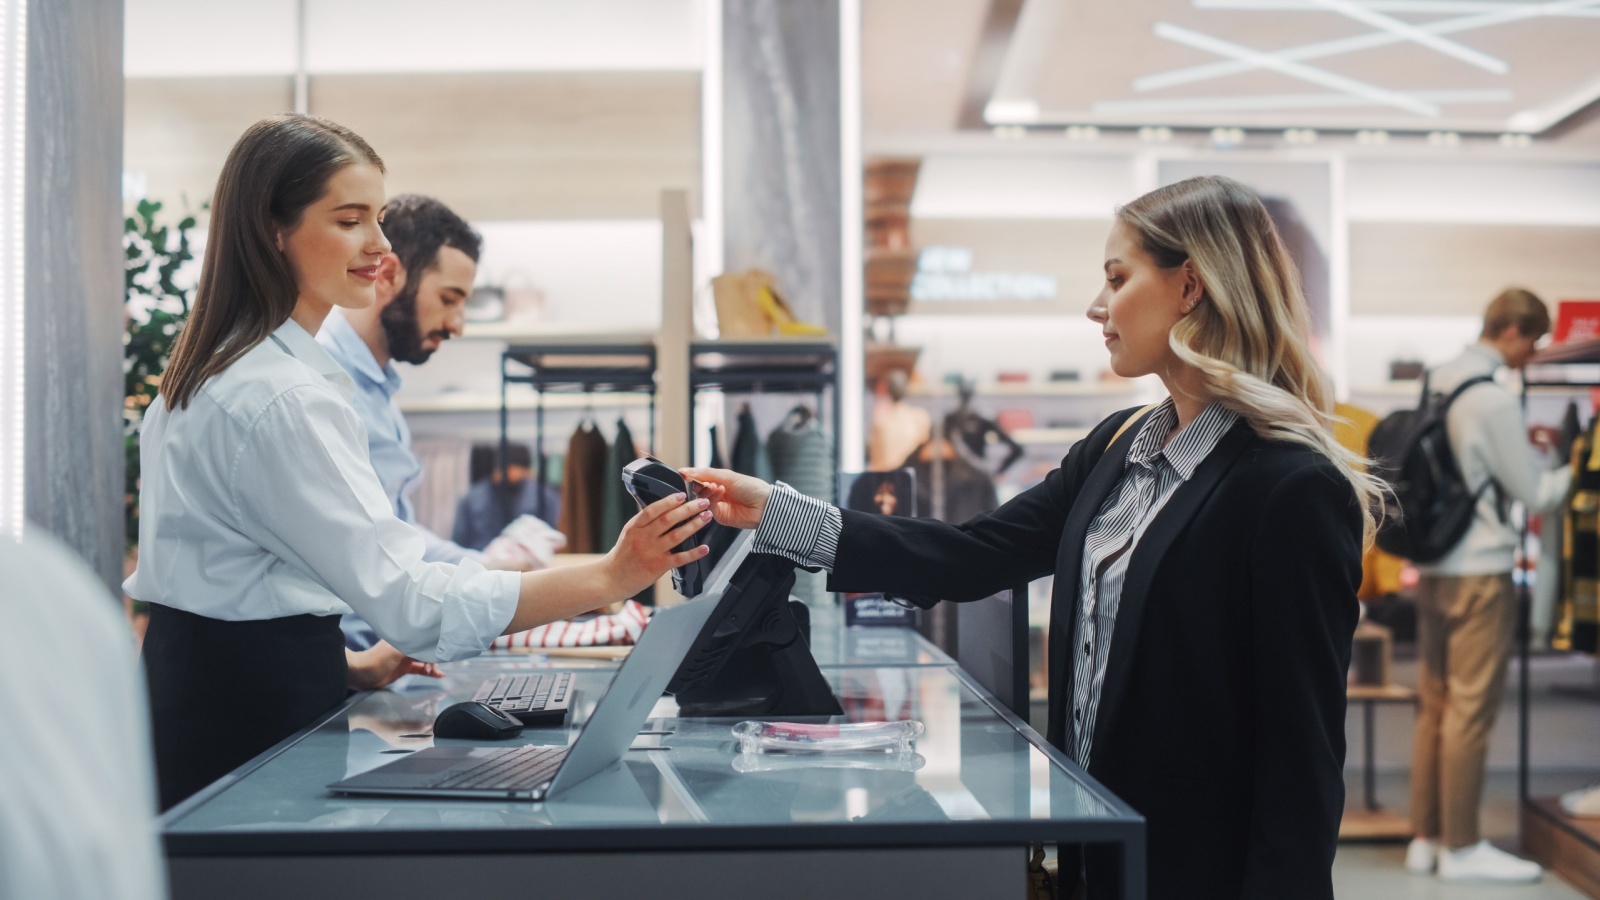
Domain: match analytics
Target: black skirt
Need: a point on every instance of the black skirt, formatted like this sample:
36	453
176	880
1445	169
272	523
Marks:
223	692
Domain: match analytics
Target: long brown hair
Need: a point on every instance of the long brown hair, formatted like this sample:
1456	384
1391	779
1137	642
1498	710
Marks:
1248	337
280	166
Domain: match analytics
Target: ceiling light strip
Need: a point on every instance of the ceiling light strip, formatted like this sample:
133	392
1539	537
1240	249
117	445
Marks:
1341	46
1412	33
1264	102
13	196
1426	7
1260	60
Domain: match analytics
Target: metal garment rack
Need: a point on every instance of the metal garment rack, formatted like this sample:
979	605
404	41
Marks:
567	367
768	367
1524	591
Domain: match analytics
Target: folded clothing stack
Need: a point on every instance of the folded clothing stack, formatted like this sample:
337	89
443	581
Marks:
611	630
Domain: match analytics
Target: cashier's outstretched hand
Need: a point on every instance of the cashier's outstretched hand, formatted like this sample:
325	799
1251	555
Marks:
737	500
644	552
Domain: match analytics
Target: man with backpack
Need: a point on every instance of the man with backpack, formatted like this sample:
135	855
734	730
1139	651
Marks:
1466	606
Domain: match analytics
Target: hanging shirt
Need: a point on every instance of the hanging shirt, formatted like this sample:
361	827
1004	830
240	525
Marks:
258	502
388	436
77	789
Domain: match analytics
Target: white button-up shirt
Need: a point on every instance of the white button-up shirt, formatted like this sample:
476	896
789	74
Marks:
388	436
258	501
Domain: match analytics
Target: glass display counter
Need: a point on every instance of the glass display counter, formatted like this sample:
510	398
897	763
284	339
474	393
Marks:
684	815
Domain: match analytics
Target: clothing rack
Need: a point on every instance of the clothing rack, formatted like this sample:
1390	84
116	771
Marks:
768	367
1542	375
613	366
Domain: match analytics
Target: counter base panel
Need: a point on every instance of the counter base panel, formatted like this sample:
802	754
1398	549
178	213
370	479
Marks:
944	872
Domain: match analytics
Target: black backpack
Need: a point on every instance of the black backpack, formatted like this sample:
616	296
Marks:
1431	506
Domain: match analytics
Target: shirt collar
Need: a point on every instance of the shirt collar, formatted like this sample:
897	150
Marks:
1191	446
348	348
1484	351
302	346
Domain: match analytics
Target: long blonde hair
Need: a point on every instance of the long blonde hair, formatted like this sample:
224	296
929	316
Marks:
1248	336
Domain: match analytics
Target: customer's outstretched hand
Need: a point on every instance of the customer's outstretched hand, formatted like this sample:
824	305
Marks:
737	500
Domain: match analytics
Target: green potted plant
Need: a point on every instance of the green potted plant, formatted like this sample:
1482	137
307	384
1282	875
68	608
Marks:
154	309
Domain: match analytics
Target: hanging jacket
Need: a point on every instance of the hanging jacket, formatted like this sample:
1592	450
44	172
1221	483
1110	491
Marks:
583	488
616	504
749	455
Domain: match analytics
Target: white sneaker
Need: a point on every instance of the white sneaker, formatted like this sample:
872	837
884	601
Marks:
1583	803
1485	862
1421	856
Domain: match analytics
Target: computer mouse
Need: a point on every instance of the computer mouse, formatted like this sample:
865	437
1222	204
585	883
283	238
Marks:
476	721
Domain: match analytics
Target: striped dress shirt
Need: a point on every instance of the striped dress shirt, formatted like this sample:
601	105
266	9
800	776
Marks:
1152	475
807	531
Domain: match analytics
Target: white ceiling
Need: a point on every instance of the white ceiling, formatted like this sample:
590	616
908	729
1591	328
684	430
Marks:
167	38
1402	65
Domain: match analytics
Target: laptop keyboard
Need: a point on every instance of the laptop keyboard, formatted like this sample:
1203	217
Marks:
532	698
513	769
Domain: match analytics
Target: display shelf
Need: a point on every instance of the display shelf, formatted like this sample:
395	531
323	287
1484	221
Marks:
1049	437
1402	388
1037	389
484	401
553	333
1569	846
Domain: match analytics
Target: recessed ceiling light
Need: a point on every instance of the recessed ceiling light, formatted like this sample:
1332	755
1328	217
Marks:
1516	139
1227	137
1443	139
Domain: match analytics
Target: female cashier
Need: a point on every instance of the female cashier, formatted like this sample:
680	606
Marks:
1206	555
262	521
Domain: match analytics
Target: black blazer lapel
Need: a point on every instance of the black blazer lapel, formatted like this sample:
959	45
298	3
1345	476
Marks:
1152	547
1105	475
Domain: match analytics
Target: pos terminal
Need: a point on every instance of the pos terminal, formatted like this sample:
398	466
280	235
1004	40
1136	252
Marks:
751	657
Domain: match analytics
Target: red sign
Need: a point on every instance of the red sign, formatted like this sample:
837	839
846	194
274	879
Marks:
1577	320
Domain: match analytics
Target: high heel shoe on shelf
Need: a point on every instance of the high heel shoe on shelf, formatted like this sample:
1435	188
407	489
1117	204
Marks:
749	305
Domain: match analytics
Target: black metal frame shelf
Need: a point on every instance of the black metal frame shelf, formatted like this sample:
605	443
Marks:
768	367
570	366
1524	615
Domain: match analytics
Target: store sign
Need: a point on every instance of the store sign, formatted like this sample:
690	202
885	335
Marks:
945	274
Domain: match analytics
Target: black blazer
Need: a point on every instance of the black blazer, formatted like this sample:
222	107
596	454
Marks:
1222	715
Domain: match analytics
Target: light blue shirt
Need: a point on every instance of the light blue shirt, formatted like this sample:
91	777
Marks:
388	437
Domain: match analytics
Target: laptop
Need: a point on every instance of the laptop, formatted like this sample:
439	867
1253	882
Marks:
535	772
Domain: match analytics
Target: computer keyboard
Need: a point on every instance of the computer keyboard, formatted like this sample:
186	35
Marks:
536	699
513	769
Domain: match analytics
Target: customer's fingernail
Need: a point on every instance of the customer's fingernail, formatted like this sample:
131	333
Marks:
678	497
705	516
703	503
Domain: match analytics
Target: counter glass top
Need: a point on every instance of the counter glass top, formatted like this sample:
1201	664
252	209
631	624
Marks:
975	768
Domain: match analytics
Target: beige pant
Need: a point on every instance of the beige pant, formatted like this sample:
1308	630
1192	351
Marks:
1464	633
